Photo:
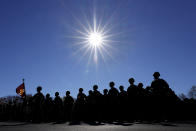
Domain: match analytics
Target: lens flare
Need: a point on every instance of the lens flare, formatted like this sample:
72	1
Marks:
94	39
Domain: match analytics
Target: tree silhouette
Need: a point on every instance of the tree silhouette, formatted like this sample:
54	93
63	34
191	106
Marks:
192	92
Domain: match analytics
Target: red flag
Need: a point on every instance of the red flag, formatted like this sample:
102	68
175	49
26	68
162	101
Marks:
21	90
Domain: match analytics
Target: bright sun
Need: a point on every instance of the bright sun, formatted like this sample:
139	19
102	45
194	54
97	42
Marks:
95	39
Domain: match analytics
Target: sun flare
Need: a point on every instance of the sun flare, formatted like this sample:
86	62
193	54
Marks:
95	39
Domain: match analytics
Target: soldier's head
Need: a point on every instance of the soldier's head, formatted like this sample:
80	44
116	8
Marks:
47	96
156	75
131	81
140	85
121	88
56	94
81	90
112	84
105	91
95	87
39	88
67	93
90	92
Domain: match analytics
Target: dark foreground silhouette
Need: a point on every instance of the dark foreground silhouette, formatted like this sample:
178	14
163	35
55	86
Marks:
154	103
20	126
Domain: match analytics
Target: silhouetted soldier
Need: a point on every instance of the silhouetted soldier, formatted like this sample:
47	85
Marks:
135	96
90	106
113	101
113	93
97	95
48	108
90	98
58	107
105	103
159	85
38	100
80	105
122	95
132	90
164	97
68	106
97	105
140	101
123	101
105	93
132	94
81	97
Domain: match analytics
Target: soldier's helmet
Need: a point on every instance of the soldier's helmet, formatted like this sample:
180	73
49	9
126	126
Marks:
39	88
105	91
56	93
81	90
67	92
140	85
121	88
156	74
112	84
47	95
131	80
95	87
90	92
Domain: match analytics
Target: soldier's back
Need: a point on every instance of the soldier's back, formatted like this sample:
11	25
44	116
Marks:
68	100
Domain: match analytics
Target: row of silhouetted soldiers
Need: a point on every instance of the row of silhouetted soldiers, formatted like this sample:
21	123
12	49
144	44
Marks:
155	102
137	103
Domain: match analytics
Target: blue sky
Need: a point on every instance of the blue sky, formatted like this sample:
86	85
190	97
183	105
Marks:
36	43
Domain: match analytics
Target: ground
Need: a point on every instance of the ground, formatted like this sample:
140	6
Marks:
19	126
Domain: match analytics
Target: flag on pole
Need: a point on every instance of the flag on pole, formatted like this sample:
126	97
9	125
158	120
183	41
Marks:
21	90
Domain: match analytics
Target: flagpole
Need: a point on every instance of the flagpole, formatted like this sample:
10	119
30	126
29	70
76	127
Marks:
23	80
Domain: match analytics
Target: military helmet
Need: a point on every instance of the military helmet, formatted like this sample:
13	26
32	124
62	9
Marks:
121	87
47	95
56	93
131	80
95	87
112	84
39	88
90	92
105	91
67	92
140	85
81	89
156	74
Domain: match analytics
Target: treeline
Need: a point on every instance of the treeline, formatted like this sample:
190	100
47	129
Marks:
157	102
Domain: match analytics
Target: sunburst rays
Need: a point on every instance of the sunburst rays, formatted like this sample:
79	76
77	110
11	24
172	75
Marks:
94	39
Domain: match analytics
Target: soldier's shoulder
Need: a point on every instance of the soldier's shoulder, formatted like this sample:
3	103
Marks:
162	81
42	94
135	86
36	95
154	81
